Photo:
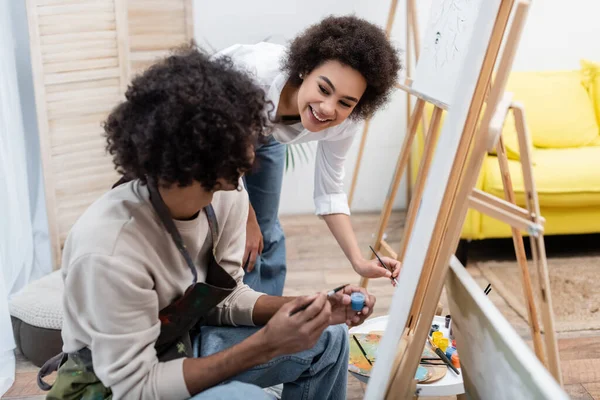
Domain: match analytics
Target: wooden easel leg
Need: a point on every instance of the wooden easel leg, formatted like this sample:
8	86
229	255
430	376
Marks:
409	35
509	193
399	172
538	249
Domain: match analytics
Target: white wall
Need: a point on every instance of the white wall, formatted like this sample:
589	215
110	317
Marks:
557	36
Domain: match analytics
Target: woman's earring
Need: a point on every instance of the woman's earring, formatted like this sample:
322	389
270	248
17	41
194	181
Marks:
301	76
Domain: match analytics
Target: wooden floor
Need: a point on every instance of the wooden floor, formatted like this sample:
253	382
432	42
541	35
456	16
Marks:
316	263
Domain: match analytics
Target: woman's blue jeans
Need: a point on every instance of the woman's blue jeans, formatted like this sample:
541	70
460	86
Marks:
264	189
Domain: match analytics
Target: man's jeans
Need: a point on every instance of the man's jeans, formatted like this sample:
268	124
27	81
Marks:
318	373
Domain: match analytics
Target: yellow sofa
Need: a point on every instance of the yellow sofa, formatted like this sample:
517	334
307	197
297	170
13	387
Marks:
562	110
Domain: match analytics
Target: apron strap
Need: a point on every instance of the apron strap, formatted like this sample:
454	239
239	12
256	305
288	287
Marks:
49	367
213	224
163	213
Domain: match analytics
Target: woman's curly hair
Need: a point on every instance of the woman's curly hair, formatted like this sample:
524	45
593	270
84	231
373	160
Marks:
354	42
187	118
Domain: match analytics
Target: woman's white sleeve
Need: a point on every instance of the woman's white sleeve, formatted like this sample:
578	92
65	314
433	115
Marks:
329	195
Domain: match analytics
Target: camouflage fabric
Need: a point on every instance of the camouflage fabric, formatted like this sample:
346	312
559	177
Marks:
76	380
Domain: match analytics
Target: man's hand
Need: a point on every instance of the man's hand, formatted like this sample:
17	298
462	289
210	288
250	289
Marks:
254	241
374	269
288	334
341	310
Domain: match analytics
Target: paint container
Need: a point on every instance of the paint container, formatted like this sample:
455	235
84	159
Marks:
448	321
449	351
436	336
357	300
434	328
455	360
442	343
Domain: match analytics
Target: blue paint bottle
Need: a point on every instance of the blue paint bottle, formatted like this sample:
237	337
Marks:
449	351
357	300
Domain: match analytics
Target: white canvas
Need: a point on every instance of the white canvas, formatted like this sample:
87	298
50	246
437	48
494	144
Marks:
445	46
496	363
432	198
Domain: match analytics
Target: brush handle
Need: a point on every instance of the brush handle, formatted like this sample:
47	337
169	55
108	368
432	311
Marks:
440	353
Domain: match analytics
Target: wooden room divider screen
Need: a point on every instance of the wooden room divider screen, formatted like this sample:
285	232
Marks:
84	54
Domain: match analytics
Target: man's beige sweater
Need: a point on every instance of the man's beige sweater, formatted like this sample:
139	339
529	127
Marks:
120	267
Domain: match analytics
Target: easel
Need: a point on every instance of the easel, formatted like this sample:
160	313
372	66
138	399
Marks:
413	326
412	31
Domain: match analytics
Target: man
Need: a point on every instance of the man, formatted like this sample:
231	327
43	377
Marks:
160	254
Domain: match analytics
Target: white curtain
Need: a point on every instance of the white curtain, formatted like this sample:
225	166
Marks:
24	247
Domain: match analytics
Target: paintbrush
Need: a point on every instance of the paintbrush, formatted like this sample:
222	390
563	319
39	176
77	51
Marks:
362	350
384	266
441	354
329	294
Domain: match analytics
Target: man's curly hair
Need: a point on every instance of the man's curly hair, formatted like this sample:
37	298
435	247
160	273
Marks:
354	42
187	118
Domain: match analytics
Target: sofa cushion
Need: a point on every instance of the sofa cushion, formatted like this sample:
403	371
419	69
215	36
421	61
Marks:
558	110
36	315
590	79
563	177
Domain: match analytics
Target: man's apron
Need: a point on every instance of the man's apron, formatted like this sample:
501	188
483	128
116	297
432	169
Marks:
76	378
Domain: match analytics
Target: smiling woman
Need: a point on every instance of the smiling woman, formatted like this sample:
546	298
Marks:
332	76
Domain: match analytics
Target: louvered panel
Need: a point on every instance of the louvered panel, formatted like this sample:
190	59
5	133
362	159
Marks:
79	76
91	170
78	7
156	6
65	108
86	25
100	182
89	53
74	123
57	2
80	64
105	90
155	27
82	137
86	144
84	52
77	86
76	18
78	160
81	39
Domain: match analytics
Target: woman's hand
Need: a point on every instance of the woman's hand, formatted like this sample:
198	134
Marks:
374	269
254	241
341	310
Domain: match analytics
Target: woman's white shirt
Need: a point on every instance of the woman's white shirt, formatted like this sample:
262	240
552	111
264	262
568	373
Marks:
263	62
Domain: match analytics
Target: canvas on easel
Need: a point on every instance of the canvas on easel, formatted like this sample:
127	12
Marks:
496	364
445	201
520	219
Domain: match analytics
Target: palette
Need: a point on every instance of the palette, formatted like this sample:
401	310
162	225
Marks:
370	341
